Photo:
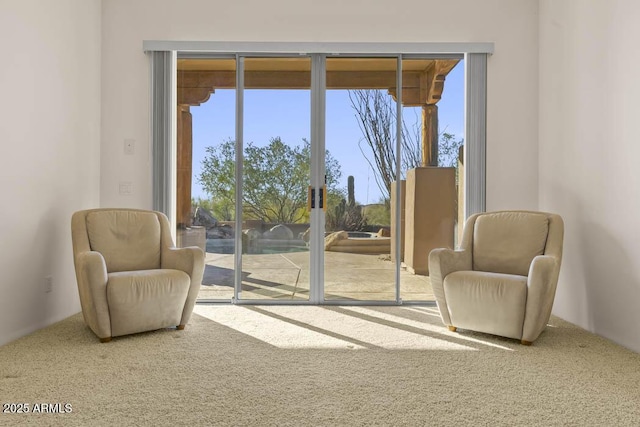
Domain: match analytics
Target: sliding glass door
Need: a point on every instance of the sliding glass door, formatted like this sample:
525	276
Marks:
206	168
314	179
276	173
361	117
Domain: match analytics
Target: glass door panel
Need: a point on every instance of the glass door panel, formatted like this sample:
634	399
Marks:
358	152
275	178
205	191
433	126
360	165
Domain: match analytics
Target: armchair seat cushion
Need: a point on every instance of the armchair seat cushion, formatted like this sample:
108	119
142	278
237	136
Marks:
145	300
487	302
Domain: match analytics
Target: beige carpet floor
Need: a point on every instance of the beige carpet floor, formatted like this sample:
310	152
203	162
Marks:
319	366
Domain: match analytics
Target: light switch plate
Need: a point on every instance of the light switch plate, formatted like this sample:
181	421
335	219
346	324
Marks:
129	146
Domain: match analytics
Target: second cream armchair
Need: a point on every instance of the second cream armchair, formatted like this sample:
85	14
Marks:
503	279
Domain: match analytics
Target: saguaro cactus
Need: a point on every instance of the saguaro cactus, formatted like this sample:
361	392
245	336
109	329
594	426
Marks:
351	190
347	215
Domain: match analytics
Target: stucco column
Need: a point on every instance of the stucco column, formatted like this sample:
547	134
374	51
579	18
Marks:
429	135
184	166
192	91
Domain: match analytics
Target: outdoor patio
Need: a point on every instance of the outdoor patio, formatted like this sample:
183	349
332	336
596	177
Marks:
285	276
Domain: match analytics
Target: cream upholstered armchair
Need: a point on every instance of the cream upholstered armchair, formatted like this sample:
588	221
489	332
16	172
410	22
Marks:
130	276
503	279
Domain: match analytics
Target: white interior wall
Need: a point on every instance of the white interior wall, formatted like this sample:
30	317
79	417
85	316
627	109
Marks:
587	89
50	164
87	104
512	87
589	150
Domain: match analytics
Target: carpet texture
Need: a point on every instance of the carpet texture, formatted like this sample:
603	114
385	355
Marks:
319	366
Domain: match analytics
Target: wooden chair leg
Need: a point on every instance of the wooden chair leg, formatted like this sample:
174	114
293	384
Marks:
525	342
180	327
107	339
452	328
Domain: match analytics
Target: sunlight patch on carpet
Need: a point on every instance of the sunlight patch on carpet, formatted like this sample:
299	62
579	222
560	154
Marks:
420	325
317	327
273	331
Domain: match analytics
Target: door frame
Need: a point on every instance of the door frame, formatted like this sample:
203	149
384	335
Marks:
163	60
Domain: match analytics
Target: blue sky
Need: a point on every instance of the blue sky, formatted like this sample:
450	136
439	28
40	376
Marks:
286	113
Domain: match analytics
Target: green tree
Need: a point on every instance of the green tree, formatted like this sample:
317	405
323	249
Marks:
448	148
276	178
218	180
378	213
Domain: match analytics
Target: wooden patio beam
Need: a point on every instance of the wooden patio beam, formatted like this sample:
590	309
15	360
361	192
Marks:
419	87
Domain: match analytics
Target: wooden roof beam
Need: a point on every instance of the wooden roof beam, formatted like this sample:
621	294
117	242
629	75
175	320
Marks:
419	87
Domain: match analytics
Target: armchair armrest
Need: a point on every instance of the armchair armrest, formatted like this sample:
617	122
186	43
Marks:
191	261
443	261
91	274
541	282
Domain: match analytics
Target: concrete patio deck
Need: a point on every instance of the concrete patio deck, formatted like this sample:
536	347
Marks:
285	276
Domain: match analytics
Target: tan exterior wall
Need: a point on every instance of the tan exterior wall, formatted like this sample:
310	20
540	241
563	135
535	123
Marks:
429	216
395	199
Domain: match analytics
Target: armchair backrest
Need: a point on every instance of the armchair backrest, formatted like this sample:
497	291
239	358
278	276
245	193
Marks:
128	239
507	241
